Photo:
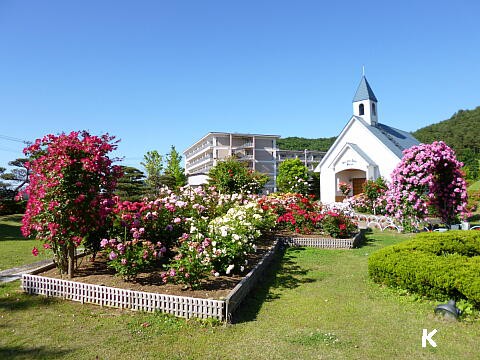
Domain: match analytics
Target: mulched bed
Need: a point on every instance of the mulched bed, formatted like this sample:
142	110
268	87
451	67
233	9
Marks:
98	273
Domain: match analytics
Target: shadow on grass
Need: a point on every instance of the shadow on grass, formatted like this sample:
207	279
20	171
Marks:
23	352
10	232
18	302
369	239
283	273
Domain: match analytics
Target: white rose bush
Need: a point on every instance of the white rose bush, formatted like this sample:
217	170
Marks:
219	246
191	233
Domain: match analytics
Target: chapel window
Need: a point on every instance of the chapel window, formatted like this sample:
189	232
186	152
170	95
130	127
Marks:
361	109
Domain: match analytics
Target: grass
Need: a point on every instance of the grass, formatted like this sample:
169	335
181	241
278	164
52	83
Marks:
312	304
475	186
15	250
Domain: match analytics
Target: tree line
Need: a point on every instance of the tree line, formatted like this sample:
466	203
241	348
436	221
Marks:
461	132
132	186
300	143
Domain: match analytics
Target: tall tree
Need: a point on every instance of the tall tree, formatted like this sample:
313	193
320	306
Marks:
292	177
174	167
69	191
19	175
131	186
5	192
232	176
153	164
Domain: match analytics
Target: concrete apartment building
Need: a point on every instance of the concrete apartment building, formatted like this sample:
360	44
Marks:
311	158
260	152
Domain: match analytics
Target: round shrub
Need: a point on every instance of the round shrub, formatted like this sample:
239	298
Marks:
437	265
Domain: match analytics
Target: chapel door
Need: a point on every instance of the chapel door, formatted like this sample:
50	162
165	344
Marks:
357	185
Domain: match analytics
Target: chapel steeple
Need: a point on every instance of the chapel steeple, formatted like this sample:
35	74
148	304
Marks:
365	103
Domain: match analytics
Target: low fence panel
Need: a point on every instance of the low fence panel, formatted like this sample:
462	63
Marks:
181	306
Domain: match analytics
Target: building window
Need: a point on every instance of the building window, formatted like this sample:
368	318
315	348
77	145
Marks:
374	109
361	109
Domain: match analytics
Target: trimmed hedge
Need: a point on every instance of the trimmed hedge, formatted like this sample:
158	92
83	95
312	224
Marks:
438	265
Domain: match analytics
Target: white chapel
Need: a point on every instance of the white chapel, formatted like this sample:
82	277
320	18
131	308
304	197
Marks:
365	149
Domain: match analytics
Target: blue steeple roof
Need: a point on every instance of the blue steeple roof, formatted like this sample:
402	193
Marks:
364	91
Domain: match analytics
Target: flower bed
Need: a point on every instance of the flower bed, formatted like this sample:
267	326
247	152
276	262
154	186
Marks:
182	306
193	245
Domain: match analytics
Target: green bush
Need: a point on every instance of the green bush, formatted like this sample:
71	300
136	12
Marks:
10	207
437	265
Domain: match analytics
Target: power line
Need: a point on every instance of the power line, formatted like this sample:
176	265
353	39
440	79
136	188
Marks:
11	138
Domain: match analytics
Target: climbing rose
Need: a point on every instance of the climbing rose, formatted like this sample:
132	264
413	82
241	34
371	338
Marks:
427	182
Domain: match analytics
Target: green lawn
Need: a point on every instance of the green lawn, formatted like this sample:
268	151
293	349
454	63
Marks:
475	186
15	250
313	304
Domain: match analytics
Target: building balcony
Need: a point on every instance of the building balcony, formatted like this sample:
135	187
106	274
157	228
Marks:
200	169
190	164
245	157
199	149
245	145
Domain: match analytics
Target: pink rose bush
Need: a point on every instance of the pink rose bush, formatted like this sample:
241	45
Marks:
428	182
130	257
345	188
373	198
69	194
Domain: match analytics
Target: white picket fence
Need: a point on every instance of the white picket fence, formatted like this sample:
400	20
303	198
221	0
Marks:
322	242
181	306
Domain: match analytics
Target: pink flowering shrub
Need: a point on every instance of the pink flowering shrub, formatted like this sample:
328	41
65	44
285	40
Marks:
192	263
345	188
69	194
427	182
128	258
372	200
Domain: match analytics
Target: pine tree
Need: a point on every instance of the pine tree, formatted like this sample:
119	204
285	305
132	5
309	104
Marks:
174	168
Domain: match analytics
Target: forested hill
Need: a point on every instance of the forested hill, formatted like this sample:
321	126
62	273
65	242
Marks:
299	143
461	131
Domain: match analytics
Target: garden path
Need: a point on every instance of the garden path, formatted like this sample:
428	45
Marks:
16	272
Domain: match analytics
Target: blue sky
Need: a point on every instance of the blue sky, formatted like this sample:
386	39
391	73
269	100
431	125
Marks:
161	73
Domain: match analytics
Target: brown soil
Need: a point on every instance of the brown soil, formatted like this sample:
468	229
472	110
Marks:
97	273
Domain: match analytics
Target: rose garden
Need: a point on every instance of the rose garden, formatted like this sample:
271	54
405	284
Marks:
191	241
